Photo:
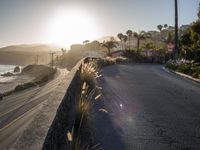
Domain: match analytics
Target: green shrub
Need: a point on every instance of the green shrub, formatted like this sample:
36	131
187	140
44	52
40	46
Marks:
188	68
24	86
135	56
108	61
195	72
8	93
184	68
102	62
121	60
171	66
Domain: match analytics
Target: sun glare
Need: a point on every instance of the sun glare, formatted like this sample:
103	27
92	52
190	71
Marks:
70	27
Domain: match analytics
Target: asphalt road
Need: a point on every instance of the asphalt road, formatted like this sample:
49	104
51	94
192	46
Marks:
18	110
148	109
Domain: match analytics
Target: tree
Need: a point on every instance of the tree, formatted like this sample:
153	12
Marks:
186	44
160	27
190	41
170	38
161	52
149	46
63	51
141	36
196	26
86	42
190	45
165	26
129	33
125	38
120	36
195	37
112	43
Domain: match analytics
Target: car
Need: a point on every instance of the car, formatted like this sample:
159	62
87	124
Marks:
1	96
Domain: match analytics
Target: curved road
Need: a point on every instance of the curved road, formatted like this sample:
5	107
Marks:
18	110
148	109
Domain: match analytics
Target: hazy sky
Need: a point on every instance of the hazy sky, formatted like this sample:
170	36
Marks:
39	21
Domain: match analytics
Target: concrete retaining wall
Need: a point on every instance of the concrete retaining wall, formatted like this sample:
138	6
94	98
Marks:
54	118
64	119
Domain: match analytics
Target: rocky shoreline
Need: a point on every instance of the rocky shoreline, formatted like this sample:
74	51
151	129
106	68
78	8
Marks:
29	76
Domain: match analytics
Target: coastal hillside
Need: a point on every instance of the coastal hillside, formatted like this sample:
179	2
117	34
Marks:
26	54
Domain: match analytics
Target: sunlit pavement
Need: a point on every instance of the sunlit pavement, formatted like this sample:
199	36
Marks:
148	109
18	110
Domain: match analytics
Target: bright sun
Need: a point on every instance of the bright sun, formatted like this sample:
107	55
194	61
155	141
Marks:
70	27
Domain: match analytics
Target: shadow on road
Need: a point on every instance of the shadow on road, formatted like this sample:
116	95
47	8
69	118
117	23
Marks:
110	139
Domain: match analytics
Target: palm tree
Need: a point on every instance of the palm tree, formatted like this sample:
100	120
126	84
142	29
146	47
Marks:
112	43
125	38
148	46
141	36
129	33
120	36
63	51
169	37
160	27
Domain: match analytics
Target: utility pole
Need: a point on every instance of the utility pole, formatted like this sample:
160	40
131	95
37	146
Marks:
176	47
57	60
52	63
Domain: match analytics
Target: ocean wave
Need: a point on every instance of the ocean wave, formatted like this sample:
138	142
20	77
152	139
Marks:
4	69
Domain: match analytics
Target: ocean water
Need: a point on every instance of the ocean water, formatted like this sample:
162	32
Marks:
4	69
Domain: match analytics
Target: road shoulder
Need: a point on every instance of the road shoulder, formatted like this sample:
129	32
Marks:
34	135
181	74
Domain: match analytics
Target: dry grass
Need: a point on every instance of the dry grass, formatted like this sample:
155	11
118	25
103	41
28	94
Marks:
80	136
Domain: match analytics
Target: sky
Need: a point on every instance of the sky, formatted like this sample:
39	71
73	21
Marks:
65	22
